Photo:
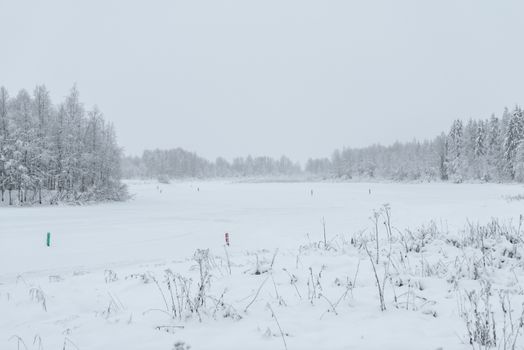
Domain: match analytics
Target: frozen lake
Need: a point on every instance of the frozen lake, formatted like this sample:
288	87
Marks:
171	221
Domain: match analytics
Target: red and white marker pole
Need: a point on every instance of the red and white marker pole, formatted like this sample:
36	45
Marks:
226	237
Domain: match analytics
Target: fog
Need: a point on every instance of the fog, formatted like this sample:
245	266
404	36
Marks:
269	77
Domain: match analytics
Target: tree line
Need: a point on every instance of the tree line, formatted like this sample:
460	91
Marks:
479	150
51	153
179	163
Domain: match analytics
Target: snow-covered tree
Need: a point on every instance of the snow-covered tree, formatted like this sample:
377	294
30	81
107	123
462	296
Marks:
514	136
56	150
519	163
455	156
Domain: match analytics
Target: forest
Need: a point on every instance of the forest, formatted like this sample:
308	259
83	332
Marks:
179	163
56	153
64	153
490	150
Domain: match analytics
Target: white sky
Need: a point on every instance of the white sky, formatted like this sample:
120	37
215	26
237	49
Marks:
269	77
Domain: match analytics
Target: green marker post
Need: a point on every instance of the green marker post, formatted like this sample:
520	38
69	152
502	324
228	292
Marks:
48	241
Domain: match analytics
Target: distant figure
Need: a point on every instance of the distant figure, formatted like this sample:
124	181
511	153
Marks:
370	191
198	189
311	192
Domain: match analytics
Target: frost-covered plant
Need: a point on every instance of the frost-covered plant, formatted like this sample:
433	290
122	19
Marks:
517	197
416	241
511	328
181	299
202	259
480	236
293	281
19	341
314	284
114	306
375	218
180	345
38	295
282	334
379	283
476	311
37	341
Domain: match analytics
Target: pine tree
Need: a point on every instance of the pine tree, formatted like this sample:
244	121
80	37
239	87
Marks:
455	150
519	162
514	135
480	151
494	158
4	136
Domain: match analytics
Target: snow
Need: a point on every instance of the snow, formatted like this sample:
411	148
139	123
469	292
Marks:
96	276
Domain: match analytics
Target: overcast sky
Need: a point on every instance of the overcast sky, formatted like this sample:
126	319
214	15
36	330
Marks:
269	77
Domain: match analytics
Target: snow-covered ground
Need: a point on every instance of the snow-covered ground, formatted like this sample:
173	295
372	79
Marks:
105	281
